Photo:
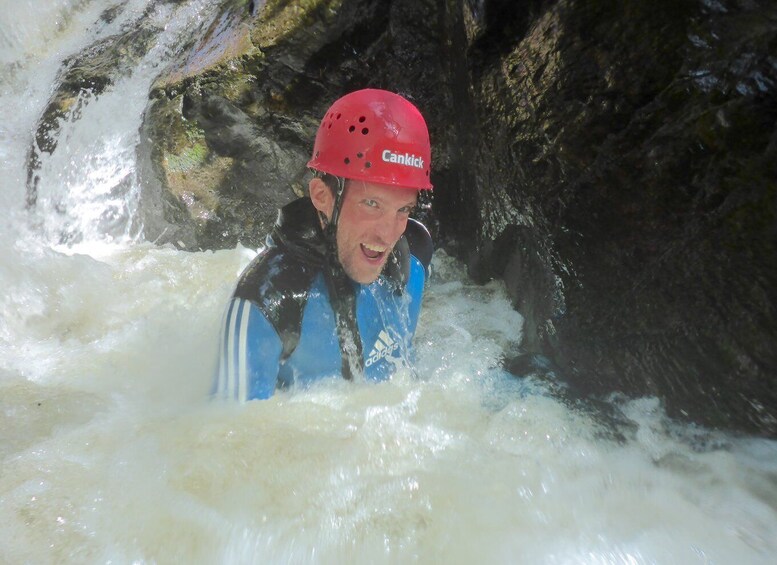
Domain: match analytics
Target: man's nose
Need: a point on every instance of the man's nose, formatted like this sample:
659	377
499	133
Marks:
390	227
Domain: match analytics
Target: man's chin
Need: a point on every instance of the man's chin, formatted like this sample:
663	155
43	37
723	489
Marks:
364	275
366	278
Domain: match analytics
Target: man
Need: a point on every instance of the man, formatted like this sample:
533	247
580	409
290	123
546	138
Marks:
337	290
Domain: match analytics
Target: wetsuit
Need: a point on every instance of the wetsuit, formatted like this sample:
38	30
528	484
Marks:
296	317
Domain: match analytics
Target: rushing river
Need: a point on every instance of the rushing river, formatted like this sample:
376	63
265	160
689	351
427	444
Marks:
111	452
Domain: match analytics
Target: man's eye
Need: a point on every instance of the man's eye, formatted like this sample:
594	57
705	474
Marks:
406	210
370	203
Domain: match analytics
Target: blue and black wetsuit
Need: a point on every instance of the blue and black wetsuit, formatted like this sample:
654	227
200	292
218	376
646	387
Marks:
296	317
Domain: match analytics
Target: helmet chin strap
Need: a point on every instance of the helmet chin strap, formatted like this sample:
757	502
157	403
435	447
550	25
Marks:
330	225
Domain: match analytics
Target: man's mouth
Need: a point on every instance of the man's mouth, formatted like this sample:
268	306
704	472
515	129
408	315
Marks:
373	252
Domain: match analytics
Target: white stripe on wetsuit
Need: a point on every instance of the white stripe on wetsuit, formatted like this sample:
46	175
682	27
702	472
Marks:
229	386
222	375
233	369
242	360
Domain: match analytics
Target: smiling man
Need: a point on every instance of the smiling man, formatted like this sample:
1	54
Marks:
337	290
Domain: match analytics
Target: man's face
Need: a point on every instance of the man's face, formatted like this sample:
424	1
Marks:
372	219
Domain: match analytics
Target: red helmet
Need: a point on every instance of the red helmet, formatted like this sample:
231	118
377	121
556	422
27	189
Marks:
376	136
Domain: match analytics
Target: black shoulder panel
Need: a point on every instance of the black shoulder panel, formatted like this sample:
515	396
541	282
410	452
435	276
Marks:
278	285
398	264
415	241
420	242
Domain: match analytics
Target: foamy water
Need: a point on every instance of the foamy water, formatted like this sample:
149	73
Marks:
111	452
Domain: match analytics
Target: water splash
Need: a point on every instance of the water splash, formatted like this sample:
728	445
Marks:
84	184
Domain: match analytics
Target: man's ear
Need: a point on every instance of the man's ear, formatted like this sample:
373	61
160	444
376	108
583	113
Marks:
321	196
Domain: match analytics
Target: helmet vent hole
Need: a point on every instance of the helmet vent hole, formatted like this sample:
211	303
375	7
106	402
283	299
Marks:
338	116
317	153
368	164
352	129
365	131
360	155
346	160
361	119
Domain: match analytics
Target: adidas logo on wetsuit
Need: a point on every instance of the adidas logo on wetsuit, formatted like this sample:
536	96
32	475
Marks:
384	346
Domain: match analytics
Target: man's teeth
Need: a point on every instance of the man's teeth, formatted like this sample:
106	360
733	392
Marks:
375	248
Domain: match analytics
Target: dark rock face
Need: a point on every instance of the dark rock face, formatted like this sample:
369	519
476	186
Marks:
613	161
636	141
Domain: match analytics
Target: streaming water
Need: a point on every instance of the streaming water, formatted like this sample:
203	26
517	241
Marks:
110	451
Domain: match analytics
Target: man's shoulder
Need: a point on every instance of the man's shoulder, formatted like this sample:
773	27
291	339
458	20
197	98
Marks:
274	271
419	242
278	284
415	246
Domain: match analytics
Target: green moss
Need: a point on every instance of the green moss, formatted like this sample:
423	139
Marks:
191	153
279	18
233	81
190	158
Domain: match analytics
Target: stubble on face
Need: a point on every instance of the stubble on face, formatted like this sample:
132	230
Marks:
372	219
